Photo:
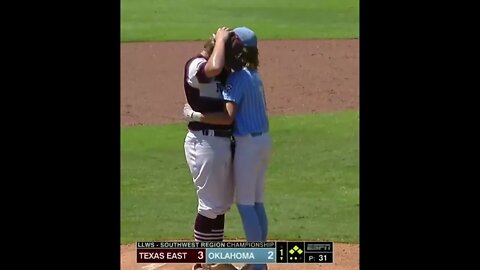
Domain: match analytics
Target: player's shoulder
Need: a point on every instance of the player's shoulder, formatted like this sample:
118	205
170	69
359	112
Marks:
195	61
239	75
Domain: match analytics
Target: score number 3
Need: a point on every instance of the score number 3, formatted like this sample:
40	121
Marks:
200	255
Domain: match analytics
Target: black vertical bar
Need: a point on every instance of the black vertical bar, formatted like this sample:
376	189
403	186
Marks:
282	252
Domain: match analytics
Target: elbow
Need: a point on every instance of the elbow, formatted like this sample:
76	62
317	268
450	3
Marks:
216	69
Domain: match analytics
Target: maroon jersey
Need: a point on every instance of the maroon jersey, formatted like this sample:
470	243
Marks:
203	94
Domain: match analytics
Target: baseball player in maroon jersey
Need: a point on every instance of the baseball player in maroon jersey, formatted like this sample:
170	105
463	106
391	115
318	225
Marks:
207	146
246	105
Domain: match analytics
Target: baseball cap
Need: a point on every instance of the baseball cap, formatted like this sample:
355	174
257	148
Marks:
247	36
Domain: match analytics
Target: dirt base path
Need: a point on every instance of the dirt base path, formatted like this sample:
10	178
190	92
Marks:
299	77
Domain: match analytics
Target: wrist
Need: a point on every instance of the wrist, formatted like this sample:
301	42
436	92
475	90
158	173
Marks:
195	116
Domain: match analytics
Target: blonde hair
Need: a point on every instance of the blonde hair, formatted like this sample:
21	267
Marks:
209	45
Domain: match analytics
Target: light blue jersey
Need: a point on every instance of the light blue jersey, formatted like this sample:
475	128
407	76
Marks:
245	88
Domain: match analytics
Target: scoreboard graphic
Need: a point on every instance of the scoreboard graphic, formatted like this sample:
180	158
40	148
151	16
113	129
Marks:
235	252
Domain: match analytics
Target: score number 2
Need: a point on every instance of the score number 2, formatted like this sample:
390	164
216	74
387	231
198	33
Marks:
271	256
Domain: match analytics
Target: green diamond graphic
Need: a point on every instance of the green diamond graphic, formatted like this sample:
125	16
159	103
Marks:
300	251
292	251
295	248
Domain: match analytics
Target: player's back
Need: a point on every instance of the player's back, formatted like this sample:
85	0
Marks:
251	116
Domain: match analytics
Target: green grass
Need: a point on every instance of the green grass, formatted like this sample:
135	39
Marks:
154	20
312	187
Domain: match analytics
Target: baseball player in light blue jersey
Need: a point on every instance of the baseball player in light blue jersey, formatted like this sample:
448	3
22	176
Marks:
246	107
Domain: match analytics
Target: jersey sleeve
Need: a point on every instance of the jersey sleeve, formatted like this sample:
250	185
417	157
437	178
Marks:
196	72
233	89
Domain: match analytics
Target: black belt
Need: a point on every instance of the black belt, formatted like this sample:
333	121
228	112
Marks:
217	133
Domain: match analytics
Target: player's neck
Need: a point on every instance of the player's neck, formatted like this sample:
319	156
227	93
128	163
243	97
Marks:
204	54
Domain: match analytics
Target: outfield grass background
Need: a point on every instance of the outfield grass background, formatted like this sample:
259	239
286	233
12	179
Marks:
166	20
312	188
